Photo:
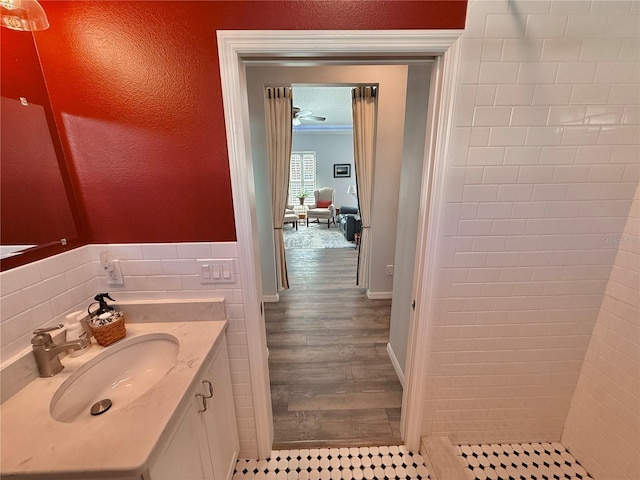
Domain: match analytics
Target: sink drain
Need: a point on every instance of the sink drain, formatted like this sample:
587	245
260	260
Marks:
100	407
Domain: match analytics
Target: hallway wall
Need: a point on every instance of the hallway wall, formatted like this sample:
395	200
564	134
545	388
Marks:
603	426
541	167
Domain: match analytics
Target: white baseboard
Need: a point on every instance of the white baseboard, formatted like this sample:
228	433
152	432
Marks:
379	295
270	298
396	365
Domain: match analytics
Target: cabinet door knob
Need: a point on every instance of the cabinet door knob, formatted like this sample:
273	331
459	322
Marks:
208	383
204	403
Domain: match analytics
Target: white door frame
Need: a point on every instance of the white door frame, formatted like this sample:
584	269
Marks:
234	47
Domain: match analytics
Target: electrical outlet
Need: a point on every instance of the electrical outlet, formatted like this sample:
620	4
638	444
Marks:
389	269
114	274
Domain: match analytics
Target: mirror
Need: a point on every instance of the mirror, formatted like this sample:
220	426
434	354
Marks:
38	218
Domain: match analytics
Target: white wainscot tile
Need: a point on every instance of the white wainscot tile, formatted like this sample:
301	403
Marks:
566	209
558	155
194	250
528	210
159	251
486	155
589	26
514	94
561	49
491	50
624	94
594	154
498	72
58	264
14	304
503	259
622	26
522	156
535	174
467	259
606	173
570	7
494	210
141	267
26	322
224	249
571	173
542	226
470	54
45	290
629	50
600	49
489	244
631	115
584	191
491	116
19	278
521	243
123	251
485	95
464	105
580	135
180	267
70	298
474	227
545	26
604	114
576	225
500	175
473	175
550	192
503	26
631	173
537	72
459	150
480	193
544	136
508	227
521	50
576	72
567	115
590	94
507	136
514	193
479	136
552	94
615	72
618	134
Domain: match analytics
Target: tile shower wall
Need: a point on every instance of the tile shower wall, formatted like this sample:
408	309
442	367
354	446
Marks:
541	170
603	426
43	292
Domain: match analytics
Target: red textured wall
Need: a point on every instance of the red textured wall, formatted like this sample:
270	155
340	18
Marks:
135	87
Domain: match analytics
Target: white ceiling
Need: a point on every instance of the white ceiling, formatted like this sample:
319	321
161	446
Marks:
334	103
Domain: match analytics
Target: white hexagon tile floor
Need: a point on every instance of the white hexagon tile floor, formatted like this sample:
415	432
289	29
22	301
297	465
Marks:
526	461
356	463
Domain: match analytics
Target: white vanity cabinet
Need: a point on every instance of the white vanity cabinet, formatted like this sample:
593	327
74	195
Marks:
205	444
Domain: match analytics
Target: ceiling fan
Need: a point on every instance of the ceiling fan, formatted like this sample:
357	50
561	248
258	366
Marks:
299	114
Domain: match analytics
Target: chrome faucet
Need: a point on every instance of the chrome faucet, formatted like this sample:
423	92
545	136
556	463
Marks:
46	352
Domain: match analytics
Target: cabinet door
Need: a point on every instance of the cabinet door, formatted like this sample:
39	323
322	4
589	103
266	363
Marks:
186	455
220	417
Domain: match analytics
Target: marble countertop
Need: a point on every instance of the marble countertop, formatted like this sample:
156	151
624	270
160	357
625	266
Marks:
120	445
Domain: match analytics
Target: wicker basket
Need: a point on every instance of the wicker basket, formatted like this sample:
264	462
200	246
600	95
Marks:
108	334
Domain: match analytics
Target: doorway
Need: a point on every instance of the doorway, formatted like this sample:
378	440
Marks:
234	48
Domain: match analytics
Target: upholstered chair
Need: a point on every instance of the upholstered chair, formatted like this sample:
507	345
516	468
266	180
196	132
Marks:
323	207
290	216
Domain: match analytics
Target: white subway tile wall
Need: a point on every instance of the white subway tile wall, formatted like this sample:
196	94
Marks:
604	419
43	292
542	171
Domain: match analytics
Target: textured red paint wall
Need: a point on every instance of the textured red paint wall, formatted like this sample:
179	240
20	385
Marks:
135	87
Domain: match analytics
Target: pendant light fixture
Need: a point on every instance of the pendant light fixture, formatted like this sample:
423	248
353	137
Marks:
23	15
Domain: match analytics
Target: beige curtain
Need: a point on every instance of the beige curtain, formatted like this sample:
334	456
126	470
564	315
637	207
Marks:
364	129
279	112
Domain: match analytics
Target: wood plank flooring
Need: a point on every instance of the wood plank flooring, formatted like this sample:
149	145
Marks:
332	383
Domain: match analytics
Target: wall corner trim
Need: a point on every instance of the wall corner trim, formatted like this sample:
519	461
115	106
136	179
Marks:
396	364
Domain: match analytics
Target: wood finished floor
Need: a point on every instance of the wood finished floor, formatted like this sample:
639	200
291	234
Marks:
332	383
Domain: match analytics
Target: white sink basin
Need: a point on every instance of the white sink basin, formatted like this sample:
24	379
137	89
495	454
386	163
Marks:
122	373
